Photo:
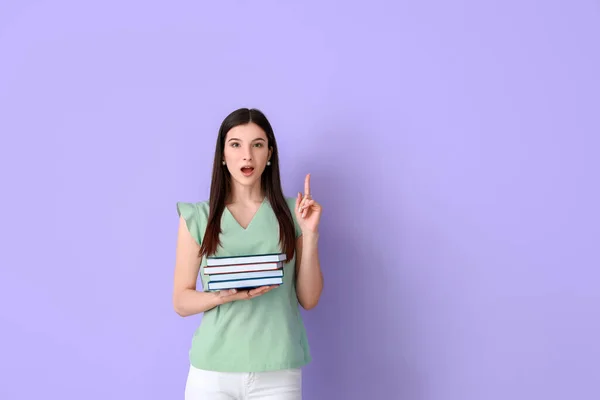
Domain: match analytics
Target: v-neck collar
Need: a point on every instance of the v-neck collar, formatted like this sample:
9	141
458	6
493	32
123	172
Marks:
251	220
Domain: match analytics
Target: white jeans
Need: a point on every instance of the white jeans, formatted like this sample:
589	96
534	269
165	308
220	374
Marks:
273	385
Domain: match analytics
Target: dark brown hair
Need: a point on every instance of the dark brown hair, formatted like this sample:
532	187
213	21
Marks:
270	182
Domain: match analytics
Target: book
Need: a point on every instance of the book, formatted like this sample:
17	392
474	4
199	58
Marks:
246	275
230	268
244	271
244	283
245	259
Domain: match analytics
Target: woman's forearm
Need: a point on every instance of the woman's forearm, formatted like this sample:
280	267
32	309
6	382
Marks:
190	302
309	282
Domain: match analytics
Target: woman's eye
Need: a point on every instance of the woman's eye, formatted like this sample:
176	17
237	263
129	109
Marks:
234	144
258	144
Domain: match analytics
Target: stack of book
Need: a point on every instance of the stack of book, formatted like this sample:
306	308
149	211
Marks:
244	272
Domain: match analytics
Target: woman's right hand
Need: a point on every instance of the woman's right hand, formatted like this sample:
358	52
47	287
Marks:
227	296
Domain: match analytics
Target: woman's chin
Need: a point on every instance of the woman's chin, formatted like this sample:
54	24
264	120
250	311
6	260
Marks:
251	180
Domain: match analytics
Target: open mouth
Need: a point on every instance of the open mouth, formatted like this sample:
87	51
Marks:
247	171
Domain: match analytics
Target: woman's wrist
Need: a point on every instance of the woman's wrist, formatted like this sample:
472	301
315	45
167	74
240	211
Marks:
310	236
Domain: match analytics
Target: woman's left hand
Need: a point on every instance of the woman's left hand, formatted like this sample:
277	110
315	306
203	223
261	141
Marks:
308	211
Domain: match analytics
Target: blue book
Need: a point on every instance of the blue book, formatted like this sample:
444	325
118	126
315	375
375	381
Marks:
245	283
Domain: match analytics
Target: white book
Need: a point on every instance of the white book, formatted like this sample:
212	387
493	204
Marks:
246	275
247	259
227	269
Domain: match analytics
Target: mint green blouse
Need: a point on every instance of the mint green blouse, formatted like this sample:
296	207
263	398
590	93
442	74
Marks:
261	334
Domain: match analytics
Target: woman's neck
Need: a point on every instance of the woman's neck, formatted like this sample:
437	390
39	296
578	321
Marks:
245	194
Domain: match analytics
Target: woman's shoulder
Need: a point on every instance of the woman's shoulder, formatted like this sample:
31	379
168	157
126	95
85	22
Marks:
193	209
195	215
199	205
291	203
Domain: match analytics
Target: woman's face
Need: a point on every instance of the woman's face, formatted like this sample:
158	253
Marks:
246	153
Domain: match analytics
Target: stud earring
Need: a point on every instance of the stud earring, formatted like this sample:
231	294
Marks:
223	162
269	162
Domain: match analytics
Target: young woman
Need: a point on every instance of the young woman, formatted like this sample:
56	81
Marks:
251	344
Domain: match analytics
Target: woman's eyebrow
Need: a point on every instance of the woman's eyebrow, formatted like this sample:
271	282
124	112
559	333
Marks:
252	140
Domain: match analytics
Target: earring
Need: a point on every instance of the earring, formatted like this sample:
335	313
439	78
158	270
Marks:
269	162
223	162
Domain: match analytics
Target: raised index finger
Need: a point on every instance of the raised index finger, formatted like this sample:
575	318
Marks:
307	185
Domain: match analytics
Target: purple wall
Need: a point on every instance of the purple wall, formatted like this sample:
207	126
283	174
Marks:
454	146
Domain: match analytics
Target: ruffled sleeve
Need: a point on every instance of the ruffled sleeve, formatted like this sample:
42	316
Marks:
291	201
190	213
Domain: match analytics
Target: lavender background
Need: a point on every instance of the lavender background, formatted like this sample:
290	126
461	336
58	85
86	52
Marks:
454	146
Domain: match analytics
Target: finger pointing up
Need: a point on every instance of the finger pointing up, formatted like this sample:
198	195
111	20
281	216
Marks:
307	186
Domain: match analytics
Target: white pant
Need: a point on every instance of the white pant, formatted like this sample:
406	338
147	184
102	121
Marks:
273	385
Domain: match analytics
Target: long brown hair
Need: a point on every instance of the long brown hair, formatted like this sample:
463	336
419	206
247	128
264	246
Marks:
270	181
